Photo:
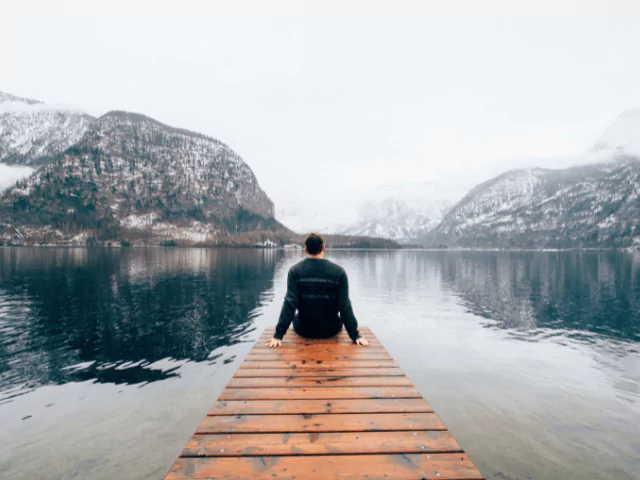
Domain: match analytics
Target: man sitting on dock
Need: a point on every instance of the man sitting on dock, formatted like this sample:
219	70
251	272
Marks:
319	290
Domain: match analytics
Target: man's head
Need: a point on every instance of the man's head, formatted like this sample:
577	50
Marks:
314	245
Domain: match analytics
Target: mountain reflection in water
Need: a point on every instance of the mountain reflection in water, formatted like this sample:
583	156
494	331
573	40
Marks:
76	314
577	293
109	359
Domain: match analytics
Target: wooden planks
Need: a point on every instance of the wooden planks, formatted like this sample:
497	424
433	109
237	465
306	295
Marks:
344	467
311	357
321	409
314	393
222	445
322	371
327	381
305	364
348	422
345	340
308	407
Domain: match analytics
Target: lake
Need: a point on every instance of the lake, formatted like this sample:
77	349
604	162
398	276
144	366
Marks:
109	359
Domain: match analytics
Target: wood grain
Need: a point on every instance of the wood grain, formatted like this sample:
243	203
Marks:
326	381
319	372
320	364
225	445
315	393
334	349
347	422
298	407
445	466
275	356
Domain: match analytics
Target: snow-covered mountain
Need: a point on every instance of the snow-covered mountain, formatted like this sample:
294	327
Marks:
413	212
586	206
128	173
400	211
596	204
591	205
124	172
33	132
405	211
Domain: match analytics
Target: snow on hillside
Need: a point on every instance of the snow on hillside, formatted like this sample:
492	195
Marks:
7	98
399	211
32	132
589	205
413	211
131	172
406	211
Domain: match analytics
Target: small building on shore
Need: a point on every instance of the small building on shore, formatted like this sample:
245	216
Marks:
268	243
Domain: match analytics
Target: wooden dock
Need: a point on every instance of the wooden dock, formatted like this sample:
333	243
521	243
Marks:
321	409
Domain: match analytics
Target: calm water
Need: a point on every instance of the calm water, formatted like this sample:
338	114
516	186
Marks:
110	359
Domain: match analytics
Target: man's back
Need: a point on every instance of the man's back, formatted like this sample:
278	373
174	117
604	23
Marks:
319	290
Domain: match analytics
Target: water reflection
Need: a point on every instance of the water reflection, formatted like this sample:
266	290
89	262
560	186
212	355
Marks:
581	292
531	359
86	322
116	316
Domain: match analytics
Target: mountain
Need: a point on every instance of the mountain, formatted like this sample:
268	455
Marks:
405	211
131	175
593	205
586	206
33	132
400	211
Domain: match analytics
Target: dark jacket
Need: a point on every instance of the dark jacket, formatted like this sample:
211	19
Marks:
319	290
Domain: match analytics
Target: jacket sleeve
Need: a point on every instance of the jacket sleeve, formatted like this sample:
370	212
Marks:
346	312
288	307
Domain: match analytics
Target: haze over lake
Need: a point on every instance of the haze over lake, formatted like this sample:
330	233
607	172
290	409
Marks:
109	359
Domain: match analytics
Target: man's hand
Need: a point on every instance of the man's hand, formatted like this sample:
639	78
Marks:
274	343
362	341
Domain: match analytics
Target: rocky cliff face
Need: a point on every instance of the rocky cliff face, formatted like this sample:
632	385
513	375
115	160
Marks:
32	132
128	173
586	206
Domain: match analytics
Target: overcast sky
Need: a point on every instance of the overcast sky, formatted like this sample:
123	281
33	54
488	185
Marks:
352	94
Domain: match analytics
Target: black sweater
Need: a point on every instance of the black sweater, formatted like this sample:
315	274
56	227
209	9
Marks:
319	290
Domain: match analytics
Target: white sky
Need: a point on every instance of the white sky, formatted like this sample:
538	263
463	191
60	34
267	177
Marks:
341	95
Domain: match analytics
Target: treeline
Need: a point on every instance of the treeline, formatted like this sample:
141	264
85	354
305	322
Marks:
286	237
345	241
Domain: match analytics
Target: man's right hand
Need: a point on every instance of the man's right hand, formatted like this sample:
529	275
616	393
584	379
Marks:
362	342
274	343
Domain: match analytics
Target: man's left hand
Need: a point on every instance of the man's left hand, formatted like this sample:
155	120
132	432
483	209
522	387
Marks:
274	343
362	342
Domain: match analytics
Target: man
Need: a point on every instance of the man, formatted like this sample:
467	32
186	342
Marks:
319	290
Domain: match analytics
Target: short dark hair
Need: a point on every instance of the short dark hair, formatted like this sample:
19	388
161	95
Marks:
314	243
